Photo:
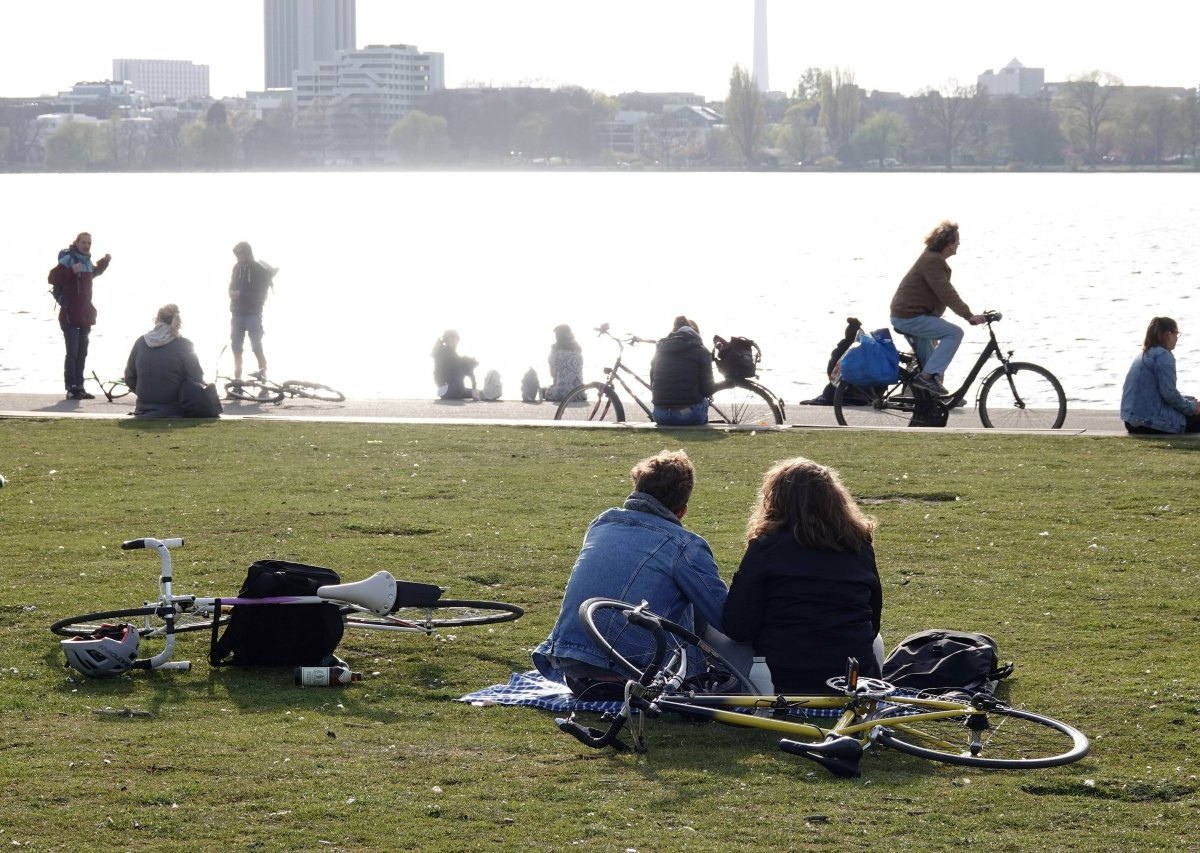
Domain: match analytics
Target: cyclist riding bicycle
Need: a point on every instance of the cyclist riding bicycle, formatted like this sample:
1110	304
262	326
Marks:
922	297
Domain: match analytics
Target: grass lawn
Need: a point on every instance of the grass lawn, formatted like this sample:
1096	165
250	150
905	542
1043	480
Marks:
1075	553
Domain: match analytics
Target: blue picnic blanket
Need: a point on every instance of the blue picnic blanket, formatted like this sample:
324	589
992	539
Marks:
535	690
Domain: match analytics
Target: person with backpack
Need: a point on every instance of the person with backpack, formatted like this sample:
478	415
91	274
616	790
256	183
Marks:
248	288
853	326
807	594
71	279
681	377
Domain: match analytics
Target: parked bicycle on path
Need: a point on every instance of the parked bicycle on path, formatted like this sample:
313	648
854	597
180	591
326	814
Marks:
735	401
379	602
1016	395
686	676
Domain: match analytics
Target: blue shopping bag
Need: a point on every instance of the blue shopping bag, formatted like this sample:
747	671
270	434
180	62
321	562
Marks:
872	361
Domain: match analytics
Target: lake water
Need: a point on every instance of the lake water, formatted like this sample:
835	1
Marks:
374	265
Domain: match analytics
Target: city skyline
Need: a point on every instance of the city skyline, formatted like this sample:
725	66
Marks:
617	46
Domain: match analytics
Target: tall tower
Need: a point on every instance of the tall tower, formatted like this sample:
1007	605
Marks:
297	34
760	46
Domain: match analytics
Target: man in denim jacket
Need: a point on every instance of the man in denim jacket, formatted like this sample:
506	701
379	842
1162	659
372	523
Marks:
639	552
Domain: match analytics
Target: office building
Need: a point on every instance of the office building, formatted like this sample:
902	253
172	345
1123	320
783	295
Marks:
354	101
298	34
1013	79
163	79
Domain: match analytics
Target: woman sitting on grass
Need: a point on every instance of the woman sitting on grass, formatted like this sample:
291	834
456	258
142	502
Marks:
1150	402
160	364
807	593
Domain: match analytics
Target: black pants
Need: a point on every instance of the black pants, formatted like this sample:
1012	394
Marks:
1192	425
76	338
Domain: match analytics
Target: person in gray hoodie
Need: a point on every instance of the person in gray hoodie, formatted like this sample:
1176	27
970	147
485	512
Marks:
160	362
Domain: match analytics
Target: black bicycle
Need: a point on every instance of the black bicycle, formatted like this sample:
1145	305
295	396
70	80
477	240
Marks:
735	401
1016	395
264	390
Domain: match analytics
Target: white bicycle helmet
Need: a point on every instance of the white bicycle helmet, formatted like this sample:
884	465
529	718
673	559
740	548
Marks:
109	650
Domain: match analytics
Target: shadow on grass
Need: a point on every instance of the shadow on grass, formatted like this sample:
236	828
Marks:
163	424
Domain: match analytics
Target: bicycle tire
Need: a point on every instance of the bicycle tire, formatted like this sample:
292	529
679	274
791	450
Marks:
253	392
312	390
1042	402
606	407
742	401
1022	741
447	613
863	406
718	673
150	625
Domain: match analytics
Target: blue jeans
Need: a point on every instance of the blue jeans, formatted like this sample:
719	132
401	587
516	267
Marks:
681	415
76	338
927	331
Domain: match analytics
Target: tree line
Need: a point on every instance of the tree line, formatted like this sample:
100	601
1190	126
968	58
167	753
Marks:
826	122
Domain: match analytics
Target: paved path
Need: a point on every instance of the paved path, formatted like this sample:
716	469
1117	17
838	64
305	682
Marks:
1079	421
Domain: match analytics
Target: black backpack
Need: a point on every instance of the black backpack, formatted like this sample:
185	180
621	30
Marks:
942	660
283	634
736	358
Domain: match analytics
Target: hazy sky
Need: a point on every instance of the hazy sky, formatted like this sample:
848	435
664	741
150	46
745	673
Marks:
624	45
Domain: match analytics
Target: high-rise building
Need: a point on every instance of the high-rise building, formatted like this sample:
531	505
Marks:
348	106
297	34
759	74
163	79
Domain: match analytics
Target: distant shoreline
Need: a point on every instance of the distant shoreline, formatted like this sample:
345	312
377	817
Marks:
541	169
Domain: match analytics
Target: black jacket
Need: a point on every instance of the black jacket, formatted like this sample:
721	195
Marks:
805	610
681	372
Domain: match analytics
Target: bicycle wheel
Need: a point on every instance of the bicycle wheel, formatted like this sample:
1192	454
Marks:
862	406
148	624
707	671
594	401
253	392
312	390
741	401
1003	738
1025	396
447	613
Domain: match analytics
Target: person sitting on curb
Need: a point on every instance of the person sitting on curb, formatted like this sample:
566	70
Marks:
681	377
1150	402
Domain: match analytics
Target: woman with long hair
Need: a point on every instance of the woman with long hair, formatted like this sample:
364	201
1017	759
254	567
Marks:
807	593
566	365
1150	402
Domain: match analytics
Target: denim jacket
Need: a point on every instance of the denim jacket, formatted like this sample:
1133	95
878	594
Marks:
640	552
1150	397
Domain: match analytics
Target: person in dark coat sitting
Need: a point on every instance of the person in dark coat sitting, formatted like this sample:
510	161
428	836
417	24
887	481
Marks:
681	377
807	593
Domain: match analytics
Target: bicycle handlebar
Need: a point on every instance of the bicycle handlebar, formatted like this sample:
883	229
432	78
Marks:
137	544
993	316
